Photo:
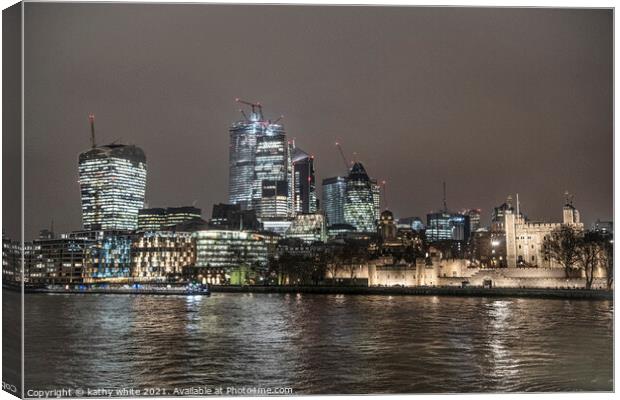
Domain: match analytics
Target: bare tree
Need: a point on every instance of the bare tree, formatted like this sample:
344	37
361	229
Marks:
563	247
589	253
607	259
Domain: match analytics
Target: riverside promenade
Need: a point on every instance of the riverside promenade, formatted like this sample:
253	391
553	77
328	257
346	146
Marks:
542	293
425	291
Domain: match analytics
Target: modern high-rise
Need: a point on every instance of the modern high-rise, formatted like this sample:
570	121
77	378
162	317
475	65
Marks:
474	218
260	169
360	208
376	198
438	226
242	154
112	184
445	225
304	186
332	199
272	181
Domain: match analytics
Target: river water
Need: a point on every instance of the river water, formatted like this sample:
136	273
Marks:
318	343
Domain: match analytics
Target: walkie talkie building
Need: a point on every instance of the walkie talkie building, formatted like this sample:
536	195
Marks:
112	185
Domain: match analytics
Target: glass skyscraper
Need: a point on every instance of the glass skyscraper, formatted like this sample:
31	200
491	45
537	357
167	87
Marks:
272	183
447	226
260	168
332	199
304	187
112	184
242	153
376	198
359	206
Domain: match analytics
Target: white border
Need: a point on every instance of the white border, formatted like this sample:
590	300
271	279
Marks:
479	3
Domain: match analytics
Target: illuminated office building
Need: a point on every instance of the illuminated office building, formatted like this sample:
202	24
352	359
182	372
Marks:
155	219
438	226
259	152
151	219
159	256
304	187
232	217
474	218
108	257
60	260
332	199
242	153
376	198
274	200
272	191
413	223
178	215
229	249
308	227
360	208
444	225
112	184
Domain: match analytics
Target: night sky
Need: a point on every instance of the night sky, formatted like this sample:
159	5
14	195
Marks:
493	101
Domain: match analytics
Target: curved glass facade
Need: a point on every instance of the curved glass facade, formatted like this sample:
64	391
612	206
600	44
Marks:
360	200
242	153
112	185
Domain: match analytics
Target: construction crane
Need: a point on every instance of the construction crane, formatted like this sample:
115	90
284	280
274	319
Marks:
254	106
344	159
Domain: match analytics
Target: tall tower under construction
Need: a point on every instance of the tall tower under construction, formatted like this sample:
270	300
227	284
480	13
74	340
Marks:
260	170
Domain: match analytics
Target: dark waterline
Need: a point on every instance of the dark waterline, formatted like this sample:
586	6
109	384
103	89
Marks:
318	343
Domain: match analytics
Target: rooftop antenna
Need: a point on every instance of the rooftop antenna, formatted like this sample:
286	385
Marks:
278	120
52	227
445	205
91	121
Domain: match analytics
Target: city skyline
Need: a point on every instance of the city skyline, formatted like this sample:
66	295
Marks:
184	131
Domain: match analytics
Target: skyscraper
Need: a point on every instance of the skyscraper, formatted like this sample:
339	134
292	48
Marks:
332	199
242	153
474	218
112	184
360	208
260	166
272	184
304	188
376	198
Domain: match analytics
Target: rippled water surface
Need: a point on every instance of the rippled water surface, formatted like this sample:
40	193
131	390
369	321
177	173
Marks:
319	343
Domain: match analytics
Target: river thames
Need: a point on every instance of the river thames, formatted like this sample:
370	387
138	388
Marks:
318	343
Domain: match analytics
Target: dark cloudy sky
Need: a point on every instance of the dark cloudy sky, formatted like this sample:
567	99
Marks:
494	101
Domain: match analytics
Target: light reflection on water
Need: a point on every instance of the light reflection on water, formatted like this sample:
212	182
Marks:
319	343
